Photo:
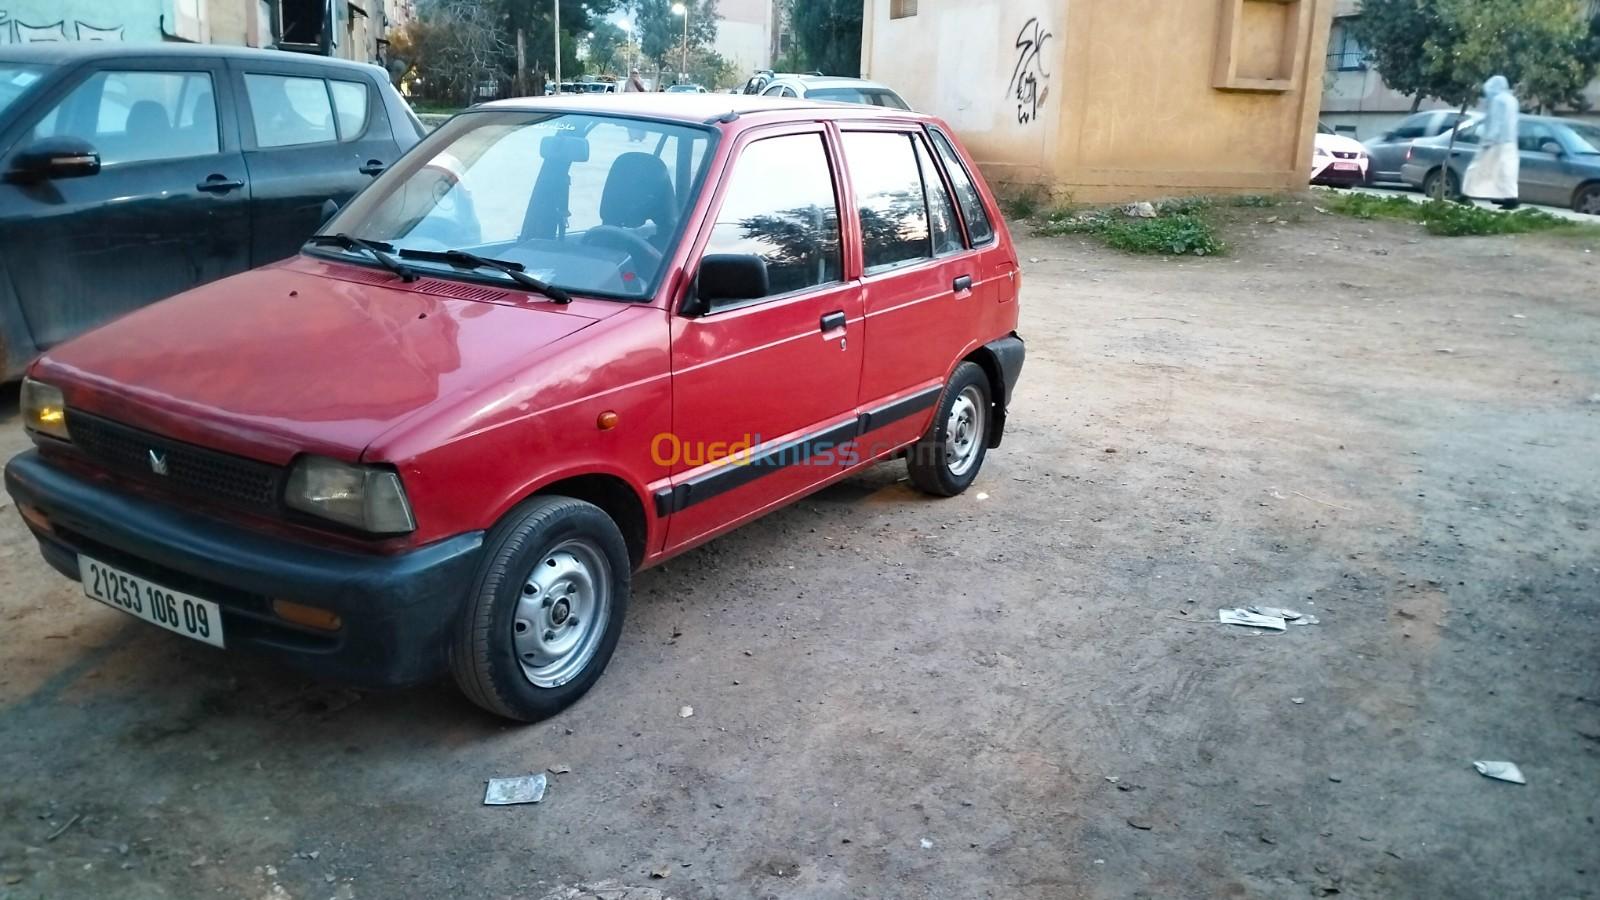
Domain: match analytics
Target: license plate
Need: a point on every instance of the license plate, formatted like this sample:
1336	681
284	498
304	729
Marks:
187	615
1347	167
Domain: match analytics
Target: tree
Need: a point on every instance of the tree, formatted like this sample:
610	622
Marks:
535	19
1390	31
607	47
829	33
661	31
455	47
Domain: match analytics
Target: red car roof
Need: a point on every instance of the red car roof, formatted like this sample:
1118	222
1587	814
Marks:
701	108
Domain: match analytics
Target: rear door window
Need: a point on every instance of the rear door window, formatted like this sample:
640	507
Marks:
350	102
889	198
290	110
978	226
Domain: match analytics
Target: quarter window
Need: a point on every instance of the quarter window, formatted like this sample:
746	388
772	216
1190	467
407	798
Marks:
941	209
288	110
978	226
138	116
350	106
894	214
780	205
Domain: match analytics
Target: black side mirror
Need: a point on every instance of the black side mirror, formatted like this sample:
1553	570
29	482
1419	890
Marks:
727	278
55	157
330	208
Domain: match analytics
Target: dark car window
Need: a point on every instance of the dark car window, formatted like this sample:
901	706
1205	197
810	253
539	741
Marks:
978	225
15	80
1412	128
289	110
888	189
1585	139
868	96
1532	136
780	205
138	116
350	107
941	208
1468	135
1450	121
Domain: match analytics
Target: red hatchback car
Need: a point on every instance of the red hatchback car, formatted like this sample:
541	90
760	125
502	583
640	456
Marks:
558	342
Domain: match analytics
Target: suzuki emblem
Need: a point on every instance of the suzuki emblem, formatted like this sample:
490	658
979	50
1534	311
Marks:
158	462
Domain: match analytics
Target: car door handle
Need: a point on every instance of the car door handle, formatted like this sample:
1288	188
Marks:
218	184
964	283
373	167
833	321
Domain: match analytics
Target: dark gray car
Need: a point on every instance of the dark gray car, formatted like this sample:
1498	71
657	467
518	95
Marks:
1387	151
1560	162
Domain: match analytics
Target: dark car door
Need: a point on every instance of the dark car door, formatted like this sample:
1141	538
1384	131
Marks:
167	210
312	133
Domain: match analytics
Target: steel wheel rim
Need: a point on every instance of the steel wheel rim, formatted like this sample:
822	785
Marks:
1591	203
562	613
964	431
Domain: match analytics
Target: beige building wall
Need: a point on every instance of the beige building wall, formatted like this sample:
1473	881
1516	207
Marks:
744	34
1114	99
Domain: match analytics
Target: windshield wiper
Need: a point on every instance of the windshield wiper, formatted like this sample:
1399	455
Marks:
514	270
378	249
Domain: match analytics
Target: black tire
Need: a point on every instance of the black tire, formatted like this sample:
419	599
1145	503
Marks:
929	461
1449	179
1587	200
484	653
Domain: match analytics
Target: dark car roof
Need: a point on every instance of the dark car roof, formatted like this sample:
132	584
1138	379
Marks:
73	52
686	107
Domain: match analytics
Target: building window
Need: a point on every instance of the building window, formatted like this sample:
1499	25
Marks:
1345	53
900	9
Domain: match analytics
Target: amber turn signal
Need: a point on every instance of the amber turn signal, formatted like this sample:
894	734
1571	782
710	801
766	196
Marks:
35	517
608	420
309	616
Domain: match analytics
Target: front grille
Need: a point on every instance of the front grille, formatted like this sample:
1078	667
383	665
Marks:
1346	154
191	470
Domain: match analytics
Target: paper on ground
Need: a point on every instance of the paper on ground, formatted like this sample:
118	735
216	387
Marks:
1253	620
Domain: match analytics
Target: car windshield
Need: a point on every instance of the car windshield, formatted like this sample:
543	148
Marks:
15	80
1585	138
868	96
588	203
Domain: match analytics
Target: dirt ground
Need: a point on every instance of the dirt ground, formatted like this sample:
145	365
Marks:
1019	693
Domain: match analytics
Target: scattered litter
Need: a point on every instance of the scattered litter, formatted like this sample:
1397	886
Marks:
1033	259
1140	210
661	871
560	769
1307	620
1113	779
1500	771
1140	824
685	712
1297	700
982	496
1335	779
63	829
1249	619
1276	612
1518	316
927	844
509	791
1444	350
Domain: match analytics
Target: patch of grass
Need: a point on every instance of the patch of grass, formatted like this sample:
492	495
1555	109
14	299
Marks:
1022	205
1369	206
1447	219
1168	234
1185	206
1256	201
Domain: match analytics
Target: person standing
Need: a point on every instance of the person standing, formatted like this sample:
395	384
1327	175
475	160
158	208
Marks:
1494	172
635	84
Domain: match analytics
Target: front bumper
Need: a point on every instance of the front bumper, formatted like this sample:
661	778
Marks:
1330	175
398	611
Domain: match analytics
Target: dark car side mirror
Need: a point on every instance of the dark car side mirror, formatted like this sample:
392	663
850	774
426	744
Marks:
55	157
727	278
330	208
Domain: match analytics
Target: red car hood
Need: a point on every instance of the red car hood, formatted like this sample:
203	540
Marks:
304	356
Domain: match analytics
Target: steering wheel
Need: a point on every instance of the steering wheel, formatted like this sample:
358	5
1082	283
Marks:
643	253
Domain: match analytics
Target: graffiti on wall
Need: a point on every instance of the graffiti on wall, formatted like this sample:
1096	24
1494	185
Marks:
1030	83
16	31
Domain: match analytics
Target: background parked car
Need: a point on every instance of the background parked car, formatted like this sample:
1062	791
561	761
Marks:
1560	162
686	89
131	173
1338	161
1387	151
832	89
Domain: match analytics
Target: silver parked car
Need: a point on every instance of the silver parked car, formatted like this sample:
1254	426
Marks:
833	89
1387	151
1560	162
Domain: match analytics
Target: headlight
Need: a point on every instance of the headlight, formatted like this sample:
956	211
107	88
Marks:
43	409
1321	152
363	497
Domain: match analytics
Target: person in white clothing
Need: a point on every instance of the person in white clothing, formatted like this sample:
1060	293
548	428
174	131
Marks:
1494	172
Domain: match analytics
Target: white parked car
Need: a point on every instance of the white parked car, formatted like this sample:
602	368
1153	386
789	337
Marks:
833	89
1338	160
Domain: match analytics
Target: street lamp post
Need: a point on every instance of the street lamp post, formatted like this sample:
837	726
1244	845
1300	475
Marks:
555	6
682	9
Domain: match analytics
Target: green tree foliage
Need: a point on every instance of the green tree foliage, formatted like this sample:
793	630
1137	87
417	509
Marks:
535	19
608	47
829	35
661	31
1446	49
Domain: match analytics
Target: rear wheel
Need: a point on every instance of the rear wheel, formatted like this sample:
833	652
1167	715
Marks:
947	458
546	609
1442	184
1588	200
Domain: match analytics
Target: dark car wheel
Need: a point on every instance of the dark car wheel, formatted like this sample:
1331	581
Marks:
1442	179
1588	200
545	611
946	460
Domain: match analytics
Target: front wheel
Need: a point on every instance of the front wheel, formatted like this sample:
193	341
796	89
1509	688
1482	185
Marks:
546	609
1588	200
946	460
